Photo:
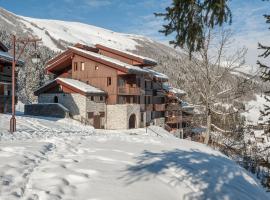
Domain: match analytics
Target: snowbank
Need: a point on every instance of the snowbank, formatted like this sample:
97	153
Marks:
116	165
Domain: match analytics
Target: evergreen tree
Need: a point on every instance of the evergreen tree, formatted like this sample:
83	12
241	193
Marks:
265	68
188	19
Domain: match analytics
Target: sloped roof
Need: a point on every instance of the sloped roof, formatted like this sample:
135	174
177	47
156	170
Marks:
3	47
75	85
127	67
53	64
5	56
157	75
127	54
81	86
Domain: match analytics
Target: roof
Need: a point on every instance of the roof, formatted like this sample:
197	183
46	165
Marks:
109	61
81	86
3	47
75	85
157	75
6	57
138	58
174	90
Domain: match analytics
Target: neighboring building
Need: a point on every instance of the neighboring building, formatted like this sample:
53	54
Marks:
106	87
6	79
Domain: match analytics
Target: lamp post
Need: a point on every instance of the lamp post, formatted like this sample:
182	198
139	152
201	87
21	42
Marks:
23	41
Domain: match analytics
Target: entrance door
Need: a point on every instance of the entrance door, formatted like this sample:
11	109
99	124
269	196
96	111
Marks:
97	121
132	121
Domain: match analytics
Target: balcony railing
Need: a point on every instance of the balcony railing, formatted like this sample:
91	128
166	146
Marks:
129	90
173	106
159	107
149	107
173	119
5	77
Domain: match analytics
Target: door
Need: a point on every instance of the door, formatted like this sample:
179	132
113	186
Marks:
132	121
97	121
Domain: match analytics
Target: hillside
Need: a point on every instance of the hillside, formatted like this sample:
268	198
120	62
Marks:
43	163
57	35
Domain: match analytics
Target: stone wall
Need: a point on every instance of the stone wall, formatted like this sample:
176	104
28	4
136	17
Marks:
118	115
76	103
48	110
159	122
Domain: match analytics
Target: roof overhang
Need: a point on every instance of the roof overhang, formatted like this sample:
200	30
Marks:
142	60
56	82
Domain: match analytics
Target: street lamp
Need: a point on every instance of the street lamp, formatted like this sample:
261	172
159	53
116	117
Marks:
23	41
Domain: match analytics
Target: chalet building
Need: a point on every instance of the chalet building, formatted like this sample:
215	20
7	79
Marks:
6	79
106	87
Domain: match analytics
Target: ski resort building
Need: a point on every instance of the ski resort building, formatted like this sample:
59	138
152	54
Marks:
6	79
107	88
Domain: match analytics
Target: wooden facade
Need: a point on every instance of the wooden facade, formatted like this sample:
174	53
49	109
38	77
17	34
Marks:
5	80
120	75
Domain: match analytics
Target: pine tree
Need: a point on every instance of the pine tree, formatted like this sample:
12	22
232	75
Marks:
188	19
265	69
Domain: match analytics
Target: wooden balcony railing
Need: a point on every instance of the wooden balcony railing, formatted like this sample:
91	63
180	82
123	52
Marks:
159	107
173	106
5	77
129	90
149	107
173	119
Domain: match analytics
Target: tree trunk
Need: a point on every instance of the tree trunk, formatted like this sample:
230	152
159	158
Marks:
208	129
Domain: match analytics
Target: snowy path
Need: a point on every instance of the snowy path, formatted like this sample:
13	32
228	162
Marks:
82	165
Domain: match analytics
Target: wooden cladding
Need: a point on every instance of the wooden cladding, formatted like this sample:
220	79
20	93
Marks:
159	107
128	90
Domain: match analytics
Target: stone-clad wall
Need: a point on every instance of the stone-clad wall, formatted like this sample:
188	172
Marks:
76	103
118	115
96	107
159	122
48	110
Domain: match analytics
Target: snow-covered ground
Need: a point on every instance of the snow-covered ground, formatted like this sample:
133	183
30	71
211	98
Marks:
254	108
74	32
51	159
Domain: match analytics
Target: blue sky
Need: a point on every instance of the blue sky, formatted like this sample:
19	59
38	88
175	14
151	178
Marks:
136	16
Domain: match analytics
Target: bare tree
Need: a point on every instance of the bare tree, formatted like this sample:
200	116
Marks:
213	74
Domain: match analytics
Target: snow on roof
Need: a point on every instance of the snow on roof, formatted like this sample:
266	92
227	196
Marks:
157	74
144	58
169	88
130	68
6	56
81	85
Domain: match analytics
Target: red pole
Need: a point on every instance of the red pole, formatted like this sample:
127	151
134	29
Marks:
13	119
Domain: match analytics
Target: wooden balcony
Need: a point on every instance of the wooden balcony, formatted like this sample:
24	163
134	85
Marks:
173	119
159	107
149	107
128	90
173	106
5	77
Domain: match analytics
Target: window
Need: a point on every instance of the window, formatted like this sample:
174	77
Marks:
90	115
142	116
109	81
96	67
75	66
102	114
82	66
55	100
92	98
101	98
8	93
